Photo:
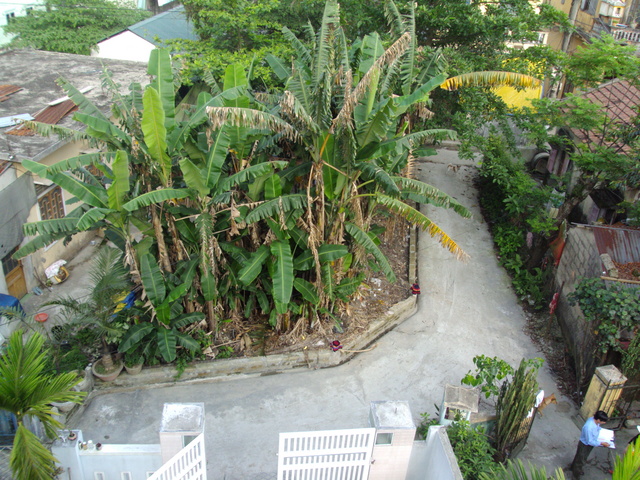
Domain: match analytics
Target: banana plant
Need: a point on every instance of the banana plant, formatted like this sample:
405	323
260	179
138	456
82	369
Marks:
347	152
163	302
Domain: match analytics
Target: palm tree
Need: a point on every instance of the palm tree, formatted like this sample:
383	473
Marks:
515	470
628	467
95	312
27	390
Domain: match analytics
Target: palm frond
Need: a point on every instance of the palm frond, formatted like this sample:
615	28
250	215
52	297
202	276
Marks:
515	470
390	54
330	20
381	177
63	133
432	195
273	208
251	118
394	18
363	239
295	110
490	79
301	50
414	217
29	458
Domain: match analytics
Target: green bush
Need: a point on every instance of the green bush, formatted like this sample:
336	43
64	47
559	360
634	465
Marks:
514	204
472	448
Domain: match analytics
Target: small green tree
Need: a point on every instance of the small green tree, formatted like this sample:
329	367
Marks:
515	401
68	27
95	312
27	390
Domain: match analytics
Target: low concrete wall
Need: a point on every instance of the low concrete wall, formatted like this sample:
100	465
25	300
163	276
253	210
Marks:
266	365
111	461
224	369
441	462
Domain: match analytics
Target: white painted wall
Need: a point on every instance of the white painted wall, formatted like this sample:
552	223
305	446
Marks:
125	46
441	461
17	8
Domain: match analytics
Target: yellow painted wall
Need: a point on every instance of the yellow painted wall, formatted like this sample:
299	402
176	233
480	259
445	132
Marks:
45	257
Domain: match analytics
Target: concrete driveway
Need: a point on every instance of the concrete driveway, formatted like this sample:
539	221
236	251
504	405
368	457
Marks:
465	309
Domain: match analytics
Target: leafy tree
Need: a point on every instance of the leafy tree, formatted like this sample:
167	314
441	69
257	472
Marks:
603	150
68	27
247	204
27	390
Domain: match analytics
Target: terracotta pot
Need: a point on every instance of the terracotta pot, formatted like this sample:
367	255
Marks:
134	369
108	376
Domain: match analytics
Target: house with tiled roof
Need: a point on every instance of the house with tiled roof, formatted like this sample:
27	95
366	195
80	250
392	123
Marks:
136	42
29	90
620	101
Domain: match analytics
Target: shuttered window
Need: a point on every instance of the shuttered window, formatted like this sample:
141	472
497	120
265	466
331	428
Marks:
51	204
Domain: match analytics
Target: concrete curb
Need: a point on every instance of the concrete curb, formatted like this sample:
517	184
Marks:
234	368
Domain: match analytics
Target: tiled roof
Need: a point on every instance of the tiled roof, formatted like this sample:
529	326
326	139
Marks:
620	100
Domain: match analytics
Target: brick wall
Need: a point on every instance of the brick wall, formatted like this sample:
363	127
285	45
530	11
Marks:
580	259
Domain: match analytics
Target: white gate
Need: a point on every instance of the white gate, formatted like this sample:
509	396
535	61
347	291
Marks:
189	463
326	455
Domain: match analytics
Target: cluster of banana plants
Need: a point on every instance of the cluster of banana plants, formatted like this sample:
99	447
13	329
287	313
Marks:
229	203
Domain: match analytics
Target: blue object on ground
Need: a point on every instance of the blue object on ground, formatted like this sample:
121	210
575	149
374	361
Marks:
8	301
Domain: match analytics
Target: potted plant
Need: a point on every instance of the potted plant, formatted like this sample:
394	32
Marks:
95	314
133	362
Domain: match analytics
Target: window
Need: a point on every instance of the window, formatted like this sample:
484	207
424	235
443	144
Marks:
98	476
10	17
384	438
8	263
51	203
125	476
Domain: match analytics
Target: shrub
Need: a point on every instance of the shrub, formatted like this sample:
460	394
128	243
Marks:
472	448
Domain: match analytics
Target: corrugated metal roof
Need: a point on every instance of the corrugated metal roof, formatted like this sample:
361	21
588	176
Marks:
622	244
6	90
51	114
168	25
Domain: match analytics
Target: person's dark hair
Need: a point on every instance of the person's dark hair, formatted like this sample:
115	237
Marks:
602	416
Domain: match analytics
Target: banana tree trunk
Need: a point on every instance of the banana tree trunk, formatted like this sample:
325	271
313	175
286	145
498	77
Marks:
162	246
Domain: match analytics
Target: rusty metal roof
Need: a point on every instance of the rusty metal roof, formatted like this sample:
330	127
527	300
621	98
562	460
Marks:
622	244
6	90
51	114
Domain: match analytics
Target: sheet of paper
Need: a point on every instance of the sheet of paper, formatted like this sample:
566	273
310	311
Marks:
606	435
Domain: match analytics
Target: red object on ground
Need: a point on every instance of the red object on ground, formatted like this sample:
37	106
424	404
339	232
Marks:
415	289
335	345
554	303
41	317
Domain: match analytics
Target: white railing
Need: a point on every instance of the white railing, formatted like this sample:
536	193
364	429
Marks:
326	455
628	35
188	464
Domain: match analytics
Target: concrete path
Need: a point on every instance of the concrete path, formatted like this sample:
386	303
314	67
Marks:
465	309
